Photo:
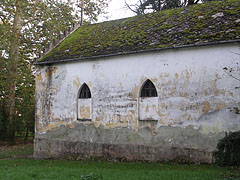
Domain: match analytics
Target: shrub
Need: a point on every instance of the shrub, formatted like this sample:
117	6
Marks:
228	150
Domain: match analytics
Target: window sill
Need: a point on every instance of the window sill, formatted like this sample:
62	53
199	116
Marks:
148	120
84	120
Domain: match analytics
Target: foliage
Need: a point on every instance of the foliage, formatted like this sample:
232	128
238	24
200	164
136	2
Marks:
26	28
91	8
3	126
228	153
148	6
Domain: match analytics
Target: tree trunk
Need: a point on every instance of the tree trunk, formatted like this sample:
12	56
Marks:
26	134
82	9
12	71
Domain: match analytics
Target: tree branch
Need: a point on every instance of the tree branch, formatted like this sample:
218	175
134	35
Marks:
129	7
231	75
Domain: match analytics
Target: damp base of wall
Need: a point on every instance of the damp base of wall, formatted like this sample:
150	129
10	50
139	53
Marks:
58	149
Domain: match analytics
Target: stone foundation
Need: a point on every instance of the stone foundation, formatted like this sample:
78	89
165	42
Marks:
58	149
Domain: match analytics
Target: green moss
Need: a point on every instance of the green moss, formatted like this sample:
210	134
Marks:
156	30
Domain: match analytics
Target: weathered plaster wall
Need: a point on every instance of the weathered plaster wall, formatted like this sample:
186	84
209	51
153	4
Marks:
84	109
191	111
148	108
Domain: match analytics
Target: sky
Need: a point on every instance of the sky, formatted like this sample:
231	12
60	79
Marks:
117	10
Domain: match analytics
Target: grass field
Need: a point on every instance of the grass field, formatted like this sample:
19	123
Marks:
16	151
26	169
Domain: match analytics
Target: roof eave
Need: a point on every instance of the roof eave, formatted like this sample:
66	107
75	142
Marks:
138	51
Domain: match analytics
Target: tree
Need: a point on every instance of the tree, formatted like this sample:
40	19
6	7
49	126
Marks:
11	66
26	28
147	6
89	9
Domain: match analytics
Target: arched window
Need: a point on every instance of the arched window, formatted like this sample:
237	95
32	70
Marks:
148	89
84	109
85	92
148	102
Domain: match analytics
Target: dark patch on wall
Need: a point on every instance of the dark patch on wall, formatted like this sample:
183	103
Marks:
150	144
58	149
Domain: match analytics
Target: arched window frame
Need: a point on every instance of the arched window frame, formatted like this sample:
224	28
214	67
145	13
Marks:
84	103
148	89
84	92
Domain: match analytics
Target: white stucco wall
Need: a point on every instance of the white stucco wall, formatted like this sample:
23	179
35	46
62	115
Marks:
192	87
84	109
148	108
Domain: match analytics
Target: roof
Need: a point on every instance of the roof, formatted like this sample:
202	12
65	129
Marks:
211	22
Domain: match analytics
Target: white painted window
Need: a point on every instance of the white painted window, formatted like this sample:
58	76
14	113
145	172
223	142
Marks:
84	103
148	102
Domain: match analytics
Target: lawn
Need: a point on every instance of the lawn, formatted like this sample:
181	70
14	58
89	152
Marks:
20	150
26	169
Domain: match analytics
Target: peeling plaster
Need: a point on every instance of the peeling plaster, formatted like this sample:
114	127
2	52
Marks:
191	110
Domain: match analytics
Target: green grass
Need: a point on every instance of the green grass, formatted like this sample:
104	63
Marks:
62	170
26	169
14	151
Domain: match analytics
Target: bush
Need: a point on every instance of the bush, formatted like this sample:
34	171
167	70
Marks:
228	150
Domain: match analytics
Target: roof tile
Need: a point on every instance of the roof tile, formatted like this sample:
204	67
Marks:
202	23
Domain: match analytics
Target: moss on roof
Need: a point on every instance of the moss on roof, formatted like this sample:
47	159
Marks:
202	23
